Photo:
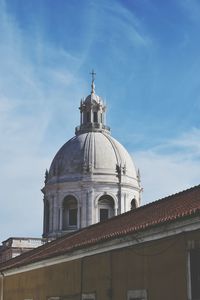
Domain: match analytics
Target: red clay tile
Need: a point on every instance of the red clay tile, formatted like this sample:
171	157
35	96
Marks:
169	209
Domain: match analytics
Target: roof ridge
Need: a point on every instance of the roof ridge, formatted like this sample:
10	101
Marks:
171	196
174	194
138	208
167	198
185	203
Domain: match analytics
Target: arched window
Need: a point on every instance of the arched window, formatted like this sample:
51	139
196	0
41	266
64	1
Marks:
95	120
105	207
69	216
88	117
46	216
133	204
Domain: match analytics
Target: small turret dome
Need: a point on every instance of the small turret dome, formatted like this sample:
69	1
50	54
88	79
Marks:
93	98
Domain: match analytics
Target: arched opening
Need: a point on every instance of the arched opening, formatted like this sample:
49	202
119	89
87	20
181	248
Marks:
88	117
133	204
70	211
105	207
95	117
46	216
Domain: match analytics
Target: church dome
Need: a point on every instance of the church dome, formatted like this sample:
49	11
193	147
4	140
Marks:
91	153
91	178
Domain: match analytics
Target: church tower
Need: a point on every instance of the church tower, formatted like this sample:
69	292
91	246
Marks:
91	178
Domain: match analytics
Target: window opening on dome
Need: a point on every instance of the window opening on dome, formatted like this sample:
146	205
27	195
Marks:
88	116
104	214
133	204
95	117
70	212
105	207
72	216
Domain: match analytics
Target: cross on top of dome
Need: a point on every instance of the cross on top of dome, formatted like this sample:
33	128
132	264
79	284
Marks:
93	78
93	75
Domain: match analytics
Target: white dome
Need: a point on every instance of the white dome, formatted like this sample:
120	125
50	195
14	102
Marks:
91	152
91	178
93	97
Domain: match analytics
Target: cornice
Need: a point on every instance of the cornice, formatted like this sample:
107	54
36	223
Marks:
153	234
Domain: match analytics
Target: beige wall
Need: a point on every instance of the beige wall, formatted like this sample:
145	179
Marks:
160	267
1	291
62	279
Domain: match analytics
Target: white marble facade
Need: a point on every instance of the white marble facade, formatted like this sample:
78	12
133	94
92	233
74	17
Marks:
91	178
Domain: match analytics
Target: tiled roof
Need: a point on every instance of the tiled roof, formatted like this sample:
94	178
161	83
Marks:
169	209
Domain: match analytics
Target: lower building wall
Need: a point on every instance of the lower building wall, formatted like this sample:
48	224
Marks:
159	267
62	279
1	287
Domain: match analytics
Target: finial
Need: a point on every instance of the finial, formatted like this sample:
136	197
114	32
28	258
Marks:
46	176
138	176
92	85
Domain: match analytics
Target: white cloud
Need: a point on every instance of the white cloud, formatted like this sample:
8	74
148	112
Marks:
186	146
124	25
31	95
170	167
36	93
192	9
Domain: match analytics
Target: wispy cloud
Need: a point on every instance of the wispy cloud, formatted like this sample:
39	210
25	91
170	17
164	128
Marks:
126	22
31	93
170	167
192	8
41	84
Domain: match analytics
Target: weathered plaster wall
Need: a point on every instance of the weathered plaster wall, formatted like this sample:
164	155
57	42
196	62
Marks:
159	266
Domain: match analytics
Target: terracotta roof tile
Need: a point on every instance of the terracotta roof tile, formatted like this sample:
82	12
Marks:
169	209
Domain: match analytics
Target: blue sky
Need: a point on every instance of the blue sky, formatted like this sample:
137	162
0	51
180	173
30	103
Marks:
146	56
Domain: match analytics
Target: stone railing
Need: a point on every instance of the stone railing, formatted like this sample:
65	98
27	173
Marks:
91	127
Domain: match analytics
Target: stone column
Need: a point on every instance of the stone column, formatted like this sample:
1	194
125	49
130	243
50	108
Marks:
61	213
91	116
51	203
55	213
116	211
78	215
90	210
44	217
